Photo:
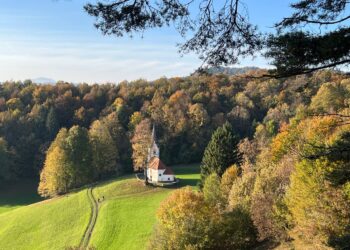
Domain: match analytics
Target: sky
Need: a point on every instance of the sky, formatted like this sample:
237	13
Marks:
56	39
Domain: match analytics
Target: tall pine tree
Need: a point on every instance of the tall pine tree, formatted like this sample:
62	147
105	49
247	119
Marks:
220	153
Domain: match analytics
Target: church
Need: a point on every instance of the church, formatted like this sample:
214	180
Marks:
157	171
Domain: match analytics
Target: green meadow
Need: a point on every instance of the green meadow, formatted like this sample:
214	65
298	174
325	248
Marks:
19	194
126	215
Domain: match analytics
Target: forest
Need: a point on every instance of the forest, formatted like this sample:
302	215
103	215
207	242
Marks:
274	152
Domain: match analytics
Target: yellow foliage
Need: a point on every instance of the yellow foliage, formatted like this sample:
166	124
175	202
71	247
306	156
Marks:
228	178
318	209
183	219
53	176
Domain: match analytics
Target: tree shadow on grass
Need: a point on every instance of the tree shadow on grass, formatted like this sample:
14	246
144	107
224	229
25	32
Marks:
187	182
19	193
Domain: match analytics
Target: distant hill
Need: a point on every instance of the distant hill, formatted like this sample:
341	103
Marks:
230	70
43	80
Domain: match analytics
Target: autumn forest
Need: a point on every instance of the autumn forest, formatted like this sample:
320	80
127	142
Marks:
286	179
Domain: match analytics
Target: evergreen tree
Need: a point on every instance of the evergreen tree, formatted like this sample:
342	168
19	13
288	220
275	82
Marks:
220	153
52	125
104	150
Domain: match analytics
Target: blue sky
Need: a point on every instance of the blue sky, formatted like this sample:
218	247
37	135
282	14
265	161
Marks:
57	39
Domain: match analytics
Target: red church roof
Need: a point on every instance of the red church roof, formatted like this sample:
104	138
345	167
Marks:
156	164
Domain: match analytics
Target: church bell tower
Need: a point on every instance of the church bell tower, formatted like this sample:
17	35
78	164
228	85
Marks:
153	151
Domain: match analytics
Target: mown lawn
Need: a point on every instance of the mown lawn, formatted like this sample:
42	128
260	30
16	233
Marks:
52	224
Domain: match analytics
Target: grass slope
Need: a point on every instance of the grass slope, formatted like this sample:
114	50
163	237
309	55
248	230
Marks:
19	194
128	213
52	224
126	216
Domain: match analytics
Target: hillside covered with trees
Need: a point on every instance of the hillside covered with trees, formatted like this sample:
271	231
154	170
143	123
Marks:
185	111
274	152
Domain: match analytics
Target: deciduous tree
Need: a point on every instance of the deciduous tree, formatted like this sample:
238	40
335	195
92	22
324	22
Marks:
140	144
104	150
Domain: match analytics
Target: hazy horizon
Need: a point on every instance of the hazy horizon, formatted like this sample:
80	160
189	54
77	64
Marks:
57	40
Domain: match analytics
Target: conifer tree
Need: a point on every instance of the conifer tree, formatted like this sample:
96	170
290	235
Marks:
220	153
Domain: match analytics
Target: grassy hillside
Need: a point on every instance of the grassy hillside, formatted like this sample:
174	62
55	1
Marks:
52	224
125	220
128	213
15	195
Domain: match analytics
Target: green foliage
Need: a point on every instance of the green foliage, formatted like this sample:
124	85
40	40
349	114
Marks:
329	98
234	230
319	211
121	140
212	190
220	153
241	192
104	151
68	163
196	220
267	196
185	110
79	154
52	125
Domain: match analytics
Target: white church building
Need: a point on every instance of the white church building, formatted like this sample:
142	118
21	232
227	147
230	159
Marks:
157	171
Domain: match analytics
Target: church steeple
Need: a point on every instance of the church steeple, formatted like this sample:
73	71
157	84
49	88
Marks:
153	151
153	134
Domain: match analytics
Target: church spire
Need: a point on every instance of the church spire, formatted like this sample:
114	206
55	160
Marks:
153	134
153	151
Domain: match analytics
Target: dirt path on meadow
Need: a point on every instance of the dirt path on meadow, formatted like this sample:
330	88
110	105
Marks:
94	213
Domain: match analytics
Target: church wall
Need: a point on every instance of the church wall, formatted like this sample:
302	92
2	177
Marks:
166	177
155	175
